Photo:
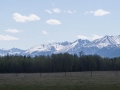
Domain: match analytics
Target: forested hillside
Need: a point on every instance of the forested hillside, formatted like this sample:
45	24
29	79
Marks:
57	63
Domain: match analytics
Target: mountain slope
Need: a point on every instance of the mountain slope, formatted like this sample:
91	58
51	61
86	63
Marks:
105	41
13	51
74	47
47	49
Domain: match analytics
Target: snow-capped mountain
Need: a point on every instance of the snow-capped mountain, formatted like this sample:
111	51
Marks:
74	47
47	49
13	51
108	46
105	41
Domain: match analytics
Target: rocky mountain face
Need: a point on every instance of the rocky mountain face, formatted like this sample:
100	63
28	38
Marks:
108	46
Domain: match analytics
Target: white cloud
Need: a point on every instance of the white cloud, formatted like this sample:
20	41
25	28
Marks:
100	12
19	18
53	22
13	31
56	10
93	37
7	38
70	12
44	32
48	11
82	37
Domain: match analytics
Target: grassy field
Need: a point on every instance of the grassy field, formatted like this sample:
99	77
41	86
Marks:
107	80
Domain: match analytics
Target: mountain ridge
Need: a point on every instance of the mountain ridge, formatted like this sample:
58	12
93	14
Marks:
99	46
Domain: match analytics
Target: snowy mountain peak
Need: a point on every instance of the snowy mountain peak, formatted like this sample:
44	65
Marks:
105	41
81	42
15	49
65	43
109	40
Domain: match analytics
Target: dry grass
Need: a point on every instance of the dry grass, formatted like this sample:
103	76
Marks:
105	80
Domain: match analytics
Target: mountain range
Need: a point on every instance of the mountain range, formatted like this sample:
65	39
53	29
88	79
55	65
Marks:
107	46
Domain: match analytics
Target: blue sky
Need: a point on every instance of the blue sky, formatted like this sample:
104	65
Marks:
25	23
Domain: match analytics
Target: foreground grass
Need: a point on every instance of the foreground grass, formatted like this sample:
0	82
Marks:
107	80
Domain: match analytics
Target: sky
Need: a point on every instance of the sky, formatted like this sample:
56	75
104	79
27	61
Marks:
26	23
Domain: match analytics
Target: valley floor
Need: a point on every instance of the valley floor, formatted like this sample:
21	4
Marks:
98	80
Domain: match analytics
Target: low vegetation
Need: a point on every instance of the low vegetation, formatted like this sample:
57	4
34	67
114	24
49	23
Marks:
100	80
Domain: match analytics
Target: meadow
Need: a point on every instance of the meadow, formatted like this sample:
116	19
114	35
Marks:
99	80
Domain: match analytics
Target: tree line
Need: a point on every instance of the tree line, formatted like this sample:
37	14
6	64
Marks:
57	63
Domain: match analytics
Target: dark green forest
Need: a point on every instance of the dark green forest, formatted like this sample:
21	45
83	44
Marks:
57	63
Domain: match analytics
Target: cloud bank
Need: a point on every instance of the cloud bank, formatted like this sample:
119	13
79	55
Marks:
7	38
56	10
100	12
93	37
19	18
13	31
53	22
82	37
